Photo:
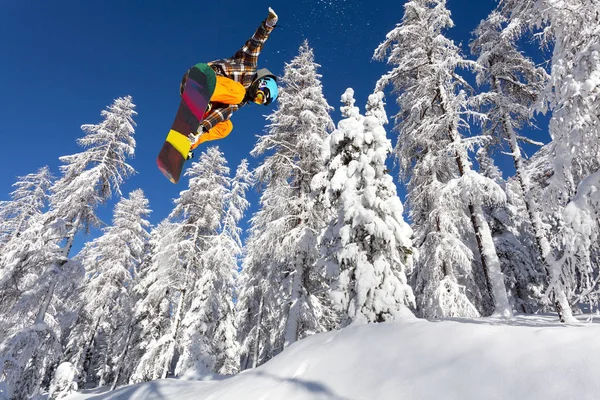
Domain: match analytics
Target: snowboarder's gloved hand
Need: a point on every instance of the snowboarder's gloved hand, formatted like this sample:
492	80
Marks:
272	18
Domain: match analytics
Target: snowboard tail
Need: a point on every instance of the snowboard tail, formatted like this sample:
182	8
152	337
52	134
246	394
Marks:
173	155
199	87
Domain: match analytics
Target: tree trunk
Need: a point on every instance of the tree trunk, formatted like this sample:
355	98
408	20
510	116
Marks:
563	308
545	253
293	314
176	323
41	315
256	350
122	358
86	354
487	250
17	231
493	272
105	368
447	269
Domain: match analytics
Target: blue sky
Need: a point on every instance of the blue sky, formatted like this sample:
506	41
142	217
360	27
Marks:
64	61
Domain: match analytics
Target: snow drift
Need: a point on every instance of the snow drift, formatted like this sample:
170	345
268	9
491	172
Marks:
528	358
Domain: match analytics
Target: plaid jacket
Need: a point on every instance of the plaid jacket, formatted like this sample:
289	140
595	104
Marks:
241	68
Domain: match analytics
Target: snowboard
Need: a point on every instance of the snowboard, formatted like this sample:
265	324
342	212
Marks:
199	87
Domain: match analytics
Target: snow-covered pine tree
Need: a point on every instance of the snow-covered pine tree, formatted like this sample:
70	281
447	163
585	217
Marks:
88	179
224	256
570	28
27	353
91	177
125	363
17	215
197	216
259	308
156	292
366	248
28	200
515	243
127	360
106	297
63	382
209	341
515	87
26	357
283	294
445	195
24	261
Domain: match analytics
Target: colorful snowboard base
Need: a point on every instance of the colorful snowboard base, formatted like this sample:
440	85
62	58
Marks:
199	87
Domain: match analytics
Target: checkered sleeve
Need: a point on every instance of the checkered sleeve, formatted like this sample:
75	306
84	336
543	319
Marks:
217	115
249	53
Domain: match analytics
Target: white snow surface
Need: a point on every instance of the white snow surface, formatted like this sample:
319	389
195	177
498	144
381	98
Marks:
529	357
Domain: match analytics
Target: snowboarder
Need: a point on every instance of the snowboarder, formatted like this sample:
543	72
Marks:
238	82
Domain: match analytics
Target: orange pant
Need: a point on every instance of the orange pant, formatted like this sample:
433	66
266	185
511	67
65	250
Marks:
227	91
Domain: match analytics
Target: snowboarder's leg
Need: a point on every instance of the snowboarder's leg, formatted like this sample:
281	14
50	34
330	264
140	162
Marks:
227	91
219	131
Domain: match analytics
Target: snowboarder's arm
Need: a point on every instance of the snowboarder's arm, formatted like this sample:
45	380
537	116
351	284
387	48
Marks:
249	53
217	115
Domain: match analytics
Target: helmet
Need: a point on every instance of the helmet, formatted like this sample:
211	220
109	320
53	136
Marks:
264	88
267	86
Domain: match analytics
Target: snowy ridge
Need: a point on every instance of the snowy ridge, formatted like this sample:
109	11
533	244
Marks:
530	357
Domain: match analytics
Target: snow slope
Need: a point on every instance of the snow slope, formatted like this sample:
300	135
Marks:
529	357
